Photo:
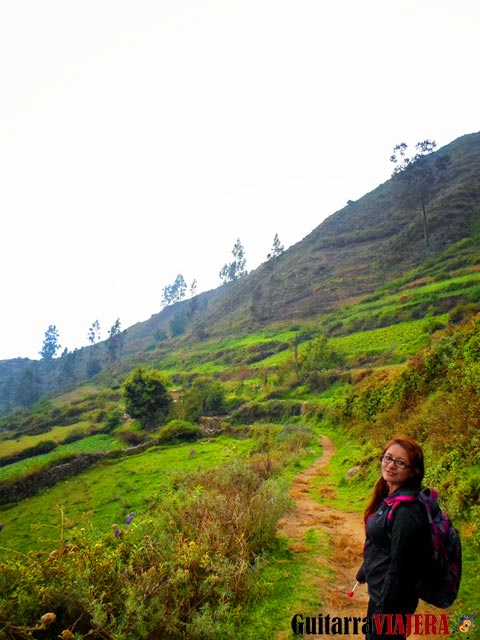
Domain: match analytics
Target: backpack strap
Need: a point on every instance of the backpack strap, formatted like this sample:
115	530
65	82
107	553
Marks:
395	501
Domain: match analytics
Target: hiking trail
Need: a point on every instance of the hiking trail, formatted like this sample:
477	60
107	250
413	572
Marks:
346	534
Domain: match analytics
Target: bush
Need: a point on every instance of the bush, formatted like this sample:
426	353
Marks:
132	438
274	410
206	397
113	419
462	312
146	397
187	569
179	430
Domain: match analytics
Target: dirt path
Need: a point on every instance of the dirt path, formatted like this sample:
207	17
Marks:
347	535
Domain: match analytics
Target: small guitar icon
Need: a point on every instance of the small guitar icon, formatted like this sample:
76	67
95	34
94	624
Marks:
466	623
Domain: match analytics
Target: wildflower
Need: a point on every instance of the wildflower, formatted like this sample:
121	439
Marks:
48	618
1	527
66	635
130	517
116	530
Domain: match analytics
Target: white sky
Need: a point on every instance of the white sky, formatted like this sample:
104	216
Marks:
139	139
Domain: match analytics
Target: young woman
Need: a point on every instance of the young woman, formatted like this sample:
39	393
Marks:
395	551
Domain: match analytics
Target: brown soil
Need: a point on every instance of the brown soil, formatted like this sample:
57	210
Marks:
346	532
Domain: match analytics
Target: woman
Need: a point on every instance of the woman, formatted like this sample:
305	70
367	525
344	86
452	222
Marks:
396	547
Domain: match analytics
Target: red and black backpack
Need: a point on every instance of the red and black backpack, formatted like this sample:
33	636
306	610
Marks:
441	579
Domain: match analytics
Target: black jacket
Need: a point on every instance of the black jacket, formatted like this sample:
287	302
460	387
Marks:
395	555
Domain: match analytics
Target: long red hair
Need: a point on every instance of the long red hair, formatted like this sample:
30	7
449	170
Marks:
380	490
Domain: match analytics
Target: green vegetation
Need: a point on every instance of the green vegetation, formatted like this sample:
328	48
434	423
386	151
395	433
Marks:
146	397
166	524
89	444
425	397
192	546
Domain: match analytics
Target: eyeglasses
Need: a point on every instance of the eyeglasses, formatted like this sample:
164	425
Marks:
398	462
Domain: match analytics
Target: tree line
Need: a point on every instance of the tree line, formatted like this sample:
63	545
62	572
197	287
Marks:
114	343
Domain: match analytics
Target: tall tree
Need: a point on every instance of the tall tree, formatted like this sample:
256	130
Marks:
94	333
175	292
50	343
116	338
272	283
193	307
419	175
277	248
93	365
235	269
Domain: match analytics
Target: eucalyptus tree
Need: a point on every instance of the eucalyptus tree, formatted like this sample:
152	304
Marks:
50	343
419	175
94	332
115	341
174	292
233	271
277	248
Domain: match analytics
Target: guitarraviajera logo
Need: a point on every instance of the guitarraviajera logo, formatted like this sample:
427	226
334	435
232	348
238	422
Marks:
466	624
378	623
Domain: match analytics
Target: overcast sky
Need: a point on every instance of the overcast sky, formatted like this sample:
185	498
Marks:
139	139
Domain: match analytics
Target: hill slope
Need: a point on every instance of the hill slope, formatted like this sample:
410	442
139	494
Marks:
367	244
364	245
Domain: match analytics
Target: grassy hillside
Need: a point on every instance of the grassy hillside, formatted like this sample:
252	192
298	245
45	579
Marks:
368	244
282	385
340	342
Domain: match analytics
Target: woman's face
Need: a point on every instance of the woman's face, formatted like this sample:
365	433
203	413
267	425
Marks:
394	459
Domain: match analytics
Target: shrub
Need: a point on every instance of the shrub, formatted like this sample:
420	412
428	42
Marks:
146	397
461	312
179	430
132	438
274	410
206	397
113	419
197	550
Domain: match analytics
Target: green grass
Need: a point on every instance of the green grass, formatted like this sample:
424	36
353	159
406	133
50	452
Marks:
288	587
405	298
412	287
335	488
57	433
89	444
405	338
106	493
215	356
